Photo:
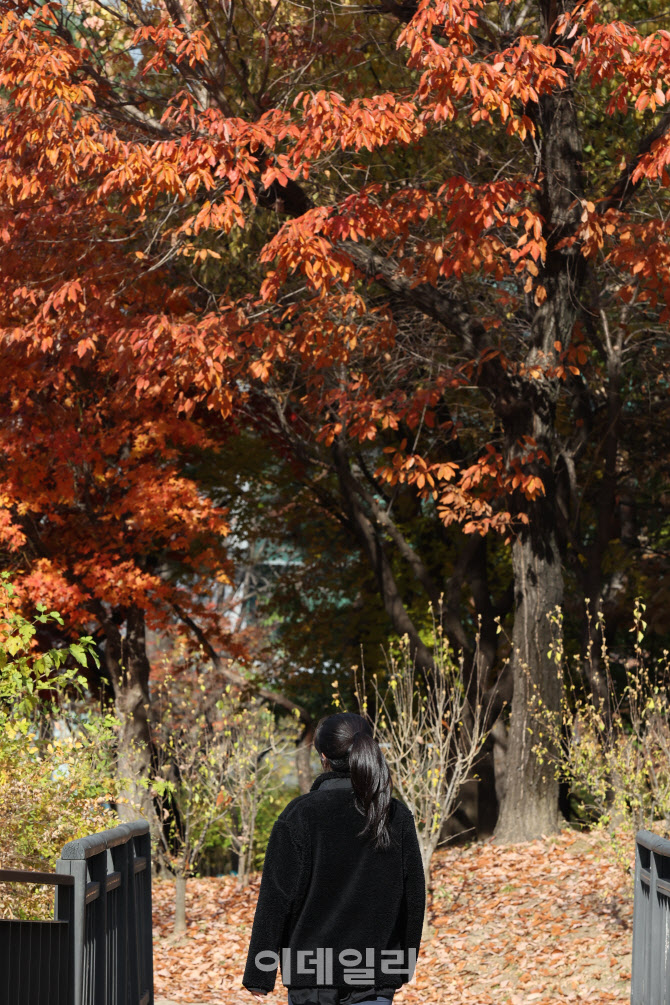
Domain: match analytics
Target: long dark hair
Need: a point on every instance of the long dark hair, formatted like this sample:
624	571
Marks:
346	740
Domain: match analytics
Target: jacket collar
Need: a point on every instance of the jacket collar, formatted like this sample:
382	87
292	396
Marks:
332	779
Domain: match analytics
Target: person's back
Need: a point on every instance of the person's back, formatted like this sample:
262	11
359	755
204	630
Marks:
342	895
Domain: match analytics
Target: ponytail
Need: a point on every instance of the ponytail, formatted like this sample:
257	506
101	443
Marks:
371	781
346	740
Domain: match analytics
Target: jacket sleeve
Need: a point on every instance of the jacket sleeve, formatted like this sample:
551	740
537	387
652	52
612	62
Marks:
280	884
415	887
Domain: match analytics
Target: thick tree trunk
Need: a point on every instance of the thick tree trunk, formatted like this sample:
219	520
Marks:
128	668
530	807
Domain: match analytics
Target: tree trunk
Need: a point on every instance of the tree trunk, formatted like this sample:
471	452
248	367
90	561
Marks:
128	668
303	768
180	906
498	738
427	845
243	866
488	806
242	847
530	806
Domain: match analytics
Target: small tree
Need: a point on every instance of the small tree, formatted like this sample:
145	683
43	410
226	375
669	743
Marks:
254	744
189	765
206	774
431	731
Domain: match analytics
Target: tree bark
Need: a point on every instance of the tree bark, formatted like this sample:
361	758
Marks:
302	764
180	906
128	668
244	849
530	806
427	928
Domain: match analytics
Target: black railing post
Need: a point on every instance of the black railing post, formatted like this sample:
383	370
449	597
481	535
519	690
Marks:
64	912
640	924
650	972
133	972
112	916
144	842
140	953
77	870
118	935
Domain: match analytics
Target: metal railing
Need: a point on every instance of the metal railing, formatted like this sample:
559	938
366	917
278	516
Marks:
98	948
650	972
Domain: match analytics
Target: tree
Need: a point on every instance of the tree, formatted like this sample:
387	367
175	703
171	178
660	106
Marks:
529	298
253	744
97	517
101	524
443	324
529	301
205	774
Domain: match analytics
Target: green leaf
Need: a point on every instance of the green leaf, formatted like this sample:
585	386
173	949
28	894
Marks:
79	653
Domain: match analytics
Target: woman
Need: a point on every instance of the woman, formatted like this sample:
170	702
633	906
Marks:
342	895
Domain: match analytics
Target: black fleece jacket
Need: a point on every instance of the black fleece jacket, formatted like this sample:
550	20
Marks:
325	892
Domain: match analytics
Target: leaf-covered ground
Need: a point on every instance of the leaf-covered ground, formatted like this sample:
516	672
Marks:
544	922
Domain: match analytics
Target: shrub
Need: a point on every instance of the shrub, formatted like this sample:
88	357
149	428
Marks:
611	744
55	755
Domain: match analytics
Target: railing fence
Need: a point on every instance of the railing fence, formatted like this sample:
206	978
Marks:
650	974
98	948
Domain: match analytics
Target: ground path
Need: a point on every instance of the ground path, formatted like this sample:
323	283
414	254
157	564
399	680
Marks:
543	923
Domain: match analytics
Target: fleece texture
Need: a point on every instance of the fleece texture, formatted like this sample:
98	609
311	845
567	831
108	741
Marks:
326	891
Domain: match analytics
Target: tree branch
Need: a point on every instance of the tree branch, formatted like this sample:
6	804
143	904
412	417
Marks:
374	549
624	188
232	675
430	301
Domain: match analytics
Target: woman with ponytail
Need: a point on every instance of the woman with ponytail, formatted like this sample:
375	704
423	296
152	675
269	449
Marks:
342	897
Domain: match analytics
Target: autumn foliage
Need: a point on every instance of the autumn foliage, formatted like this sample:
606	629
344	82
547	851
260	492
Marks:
77	190
400	243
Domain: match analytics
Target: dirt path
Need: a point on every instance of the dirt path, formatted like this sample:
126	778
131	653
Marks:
543	923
